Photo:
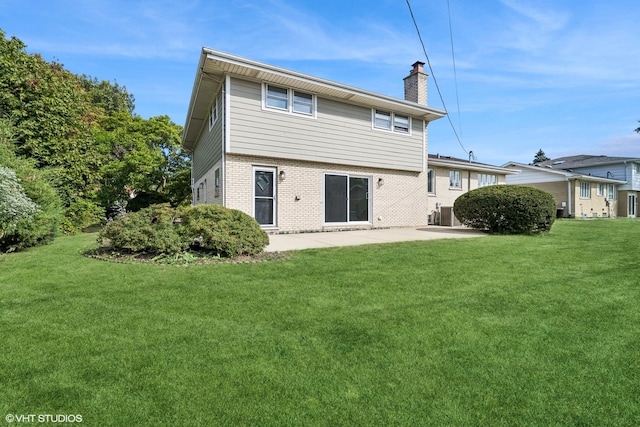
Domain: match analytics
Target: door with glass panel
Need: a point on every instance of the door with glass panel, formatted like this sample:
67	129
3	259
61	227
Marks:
346	198
632	205
264	196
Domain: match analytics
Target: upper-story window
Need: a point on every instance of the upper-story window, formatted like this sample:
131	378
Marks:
485	179
215	113
585	190
454	179
387	120
289	100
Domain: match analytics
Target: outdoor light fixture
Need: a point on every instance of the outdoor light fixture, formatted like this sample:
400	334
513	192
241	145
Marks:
282	175
380	182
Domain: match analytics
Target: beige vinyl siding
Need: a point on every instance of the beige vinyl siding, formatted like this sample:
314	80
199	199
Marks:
340	134
208	150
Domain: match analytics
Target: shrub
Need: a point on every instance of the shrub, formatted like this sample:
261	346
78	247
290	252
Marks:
151	230
41	225
506	209
222	231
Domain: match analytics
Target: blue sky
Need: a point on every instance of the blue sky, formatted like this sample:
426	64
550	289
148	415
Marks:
563	76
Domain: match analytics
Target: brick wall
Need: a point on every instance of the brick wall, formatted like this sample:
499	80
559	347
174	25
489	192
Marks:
397	202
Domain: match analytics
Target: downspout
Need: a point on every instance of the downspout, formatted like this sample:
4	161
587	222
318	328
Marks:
569	203
225	137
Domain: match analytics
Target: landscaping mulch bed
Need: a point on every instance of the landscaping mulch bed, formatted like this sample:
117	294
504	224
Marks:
181	259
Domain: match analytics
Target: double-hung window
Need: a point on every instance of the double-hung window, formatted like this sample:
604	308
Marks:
454	179
585	190
390	121
485	179
600	189
431	182
612	192
289	100
277	97
215	113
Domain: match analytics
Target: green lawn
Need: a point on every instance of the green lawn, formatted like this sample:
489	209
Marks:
497	331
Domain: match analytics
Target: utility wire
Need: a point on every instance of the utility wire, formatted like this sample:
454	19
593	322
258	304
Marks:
455	72
434	77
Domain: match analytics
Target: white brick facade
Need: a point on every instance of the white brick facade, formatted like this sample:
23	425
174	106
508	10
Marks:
399	200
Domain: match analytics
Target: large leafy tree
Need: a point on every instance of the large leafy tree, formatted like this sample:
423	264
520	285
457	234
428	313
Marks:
638	128
82	134
144	158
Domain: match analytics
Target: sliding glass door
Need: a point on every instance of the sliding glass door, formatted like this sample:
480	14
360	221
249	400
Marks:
346	198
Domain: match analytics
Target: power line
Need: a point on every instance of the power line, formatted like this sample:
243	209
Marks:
434	77
455	72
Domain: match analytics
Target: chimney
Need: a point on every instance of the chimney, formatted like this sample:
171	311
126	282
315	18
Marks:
415	84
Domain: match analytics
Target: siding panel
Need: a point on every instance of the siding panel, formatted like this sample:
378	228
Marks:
341	133
208	149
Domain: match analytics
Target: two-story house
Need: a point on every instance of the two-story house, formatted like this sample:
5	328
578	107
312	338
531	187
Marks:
300	153
585	186
450	177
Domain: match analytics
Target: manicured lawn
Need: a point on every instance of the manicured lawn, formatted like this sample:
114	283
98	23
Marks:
497	331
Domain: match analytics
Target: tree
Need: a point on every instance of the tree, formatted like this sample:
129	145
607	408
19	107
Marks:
638	128
145	159
540	157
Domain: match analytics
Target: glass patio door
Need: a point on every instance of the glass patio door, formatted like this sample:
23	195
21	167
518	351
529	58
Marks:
632	205
346	198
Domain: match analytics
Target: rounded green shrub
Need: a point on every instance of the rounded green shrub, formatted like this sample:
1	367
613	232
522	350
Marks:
151	230
508	209
222	231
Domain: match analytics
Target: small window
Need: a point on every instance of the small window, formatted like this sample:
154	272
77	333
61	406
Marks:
600	189
431	182
401	124
454	179
382	120
612	192
386	120
302	103
217	182
277	97
213	116
485	179
585	190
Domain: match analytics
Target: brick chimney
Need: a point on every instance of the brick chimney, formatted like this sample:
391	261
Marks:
415	84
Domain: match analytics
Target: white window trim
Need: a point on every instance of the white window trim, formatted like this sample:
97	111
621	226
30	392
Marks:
452	187
275	193
290	97
369	199
585	190
487	179
214	114
392	118
600	189
433	180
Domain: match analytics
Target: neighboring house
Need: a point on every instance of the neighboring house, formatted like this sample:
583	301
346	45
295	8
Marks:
300	153
449	178
585	186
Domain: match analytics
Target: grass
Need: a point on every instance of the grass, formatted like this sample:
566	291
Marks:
499	331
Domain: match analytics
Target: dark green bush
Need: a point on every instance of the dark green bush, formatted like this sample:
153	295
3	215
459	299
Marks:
506	209
151	230
160	229
222	231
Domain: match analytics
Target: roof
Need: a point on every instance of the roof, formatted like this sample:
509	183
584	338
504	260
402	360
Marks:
584	160
214	66
448	161
569	175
